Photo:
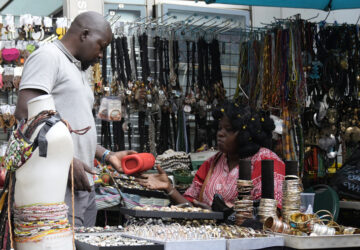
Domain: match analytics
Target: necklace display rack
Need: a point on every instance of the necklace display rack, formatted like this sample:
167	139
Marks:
167	110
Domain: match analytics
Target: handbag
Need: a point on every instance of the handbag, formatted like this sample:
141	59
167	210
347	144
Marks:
10	55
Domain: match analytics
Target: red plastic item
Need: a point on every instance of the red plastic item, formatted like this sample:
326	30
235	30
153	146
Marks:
2	176
137	163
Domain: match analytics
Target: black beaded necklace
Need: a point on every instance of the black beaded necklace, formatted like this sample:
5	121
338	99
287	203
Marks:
125	48
120	61
105	125
134	56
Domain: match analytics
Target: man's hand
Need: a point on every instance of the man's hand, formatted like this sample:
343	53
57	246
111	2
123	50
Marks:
158	181
114	159
81	182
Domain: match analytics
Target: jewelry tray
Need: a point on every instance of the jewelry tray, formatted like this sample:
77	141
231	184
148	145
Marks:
213	244
324	242
166	214
84	246
146	193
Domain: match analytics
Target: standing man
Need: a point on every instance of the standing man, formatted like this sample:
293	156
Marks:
59	69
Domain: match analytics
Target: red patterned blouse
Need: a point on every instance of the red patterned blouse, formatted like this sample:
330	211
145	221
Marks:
224	182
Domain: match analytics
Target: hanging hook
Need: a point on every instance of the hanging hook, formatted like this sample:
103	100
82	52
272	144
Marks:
358	20
324	21
140	19
158	18
227	21
111	19
166	19
224	27
192	22
185	24
197	27
212	25
313	17
112	24
189	17
178	26
230	28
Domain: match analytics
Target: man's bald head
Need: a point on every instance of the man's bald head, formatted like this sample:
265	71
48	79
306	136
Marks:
90	20
88	35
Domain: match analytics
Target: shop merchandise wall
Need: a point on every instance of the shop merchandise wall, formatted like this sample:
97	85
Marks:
307	70
170	13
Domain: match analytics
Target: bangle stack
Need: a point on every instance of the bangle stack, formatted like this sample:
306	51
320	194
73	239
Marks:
244	205
291	196
267	208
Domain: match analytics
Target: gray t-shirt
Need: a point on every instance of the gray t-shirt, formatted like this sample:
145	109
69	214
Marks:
54	70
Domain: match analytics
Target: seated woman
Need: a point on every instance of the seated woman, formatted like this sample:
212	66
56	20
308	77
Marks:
242	134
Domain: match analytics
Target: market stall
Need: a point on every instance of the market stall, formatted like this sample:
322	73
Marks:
160	89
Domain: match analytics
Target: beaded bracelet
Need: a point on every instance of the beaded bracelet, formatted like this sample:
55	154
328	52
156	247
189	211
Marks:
104	156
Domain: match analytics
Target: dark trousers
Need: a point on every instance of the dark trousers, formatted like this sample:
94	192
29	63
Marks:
85	207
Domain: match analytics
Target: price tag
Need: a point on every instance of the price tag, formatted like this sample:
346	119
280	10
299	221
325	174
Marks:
208	107
47	22
187	108
18	71
128	92
191	117
149	105
106	89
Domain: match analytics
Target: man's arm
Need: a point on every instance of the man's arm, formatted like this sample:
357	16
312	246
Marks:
24	96
112	158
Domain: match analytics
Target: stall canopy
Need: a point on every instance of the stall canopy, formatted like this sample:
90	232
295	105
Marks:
304	4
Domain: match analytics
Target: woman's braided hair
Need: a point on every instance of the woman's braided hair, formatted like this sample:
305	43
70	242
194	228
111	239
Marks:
254	127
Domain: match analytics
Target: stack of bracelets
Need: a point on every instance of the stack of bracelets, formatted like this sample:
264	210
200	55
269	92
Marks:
244	205
106	229
174	231
292	187
234	232
318	224
109	240
267	208
276	225
34	222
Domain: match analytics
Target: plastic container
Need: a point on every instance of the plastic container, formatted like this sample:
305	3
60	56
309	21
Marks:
180	176
307	202
136	163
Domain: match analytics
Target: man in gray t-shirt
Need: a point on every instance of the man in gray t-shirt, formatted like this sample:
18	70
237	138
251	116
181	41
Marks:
59	69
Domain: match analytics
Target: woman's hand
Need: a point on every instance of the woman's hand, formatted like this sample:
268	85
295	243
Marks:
158	181
201	204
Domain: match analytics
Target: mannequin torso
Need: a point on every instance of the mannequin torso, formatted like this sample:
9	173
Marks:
43	180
